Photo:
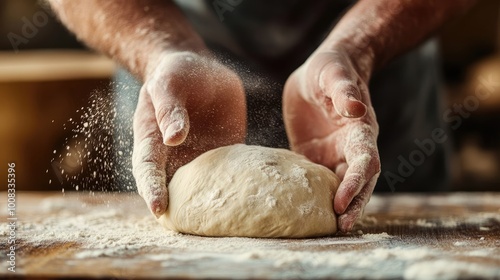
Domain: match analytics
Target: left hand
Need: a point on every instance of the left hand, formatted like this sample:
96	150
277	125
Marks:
329	118
189	104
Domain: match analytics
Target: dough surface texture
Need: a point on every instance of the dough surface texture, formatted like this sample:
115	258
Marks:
252	191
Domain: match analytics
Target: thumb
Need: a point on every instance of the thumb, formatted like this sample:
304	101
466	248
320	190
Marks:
173	121
346	100
172	117
339	84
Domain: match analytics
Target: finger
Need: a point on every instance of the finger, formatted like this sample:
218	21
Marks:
149	157
361	155
346	101
339	85
340	170
360	170
171	114
150	175
355	210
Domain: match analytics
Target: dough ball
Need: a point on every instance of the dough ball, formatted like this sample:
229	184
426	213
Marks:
252	191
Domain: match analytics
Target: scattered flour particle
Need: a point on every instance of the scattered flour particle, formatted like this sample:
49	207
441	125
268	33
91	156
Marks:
460	243
424	223
376	236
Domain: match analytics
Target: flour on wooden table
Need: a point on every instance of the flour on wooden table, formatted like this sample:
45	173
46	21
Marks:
450	269
130	232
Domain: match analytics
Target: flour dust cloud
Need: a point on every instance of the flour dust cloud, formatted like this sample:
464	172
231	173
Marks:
97	155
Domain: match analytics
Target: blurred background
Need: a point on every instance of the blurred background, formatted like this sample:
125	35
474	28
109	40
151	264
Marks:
58	115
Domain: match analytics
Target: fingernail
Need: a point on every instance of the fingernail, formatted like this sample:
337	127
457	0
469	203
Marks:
355	110
157	215
352	98
171	132
347	113
156	209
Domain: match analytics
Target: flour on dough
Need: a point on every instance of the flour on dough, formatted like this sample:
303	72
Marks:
252	191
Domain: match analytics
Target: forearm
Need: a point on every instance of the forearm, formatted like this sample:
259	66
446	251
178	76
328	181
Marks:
375	31
135	33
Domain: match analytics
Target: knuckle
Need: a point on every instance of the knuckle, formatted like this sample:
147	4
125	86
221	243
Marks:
375	164
345	88
168	114
352	185
162	113
149	150
140	170
148	176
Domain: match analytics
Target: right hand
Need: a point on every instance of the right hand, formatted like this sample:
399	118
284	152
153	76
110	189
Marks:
329	118
189	104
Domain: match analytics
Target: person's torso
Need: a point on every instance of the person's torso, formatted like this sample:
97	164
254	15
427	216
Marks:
264	29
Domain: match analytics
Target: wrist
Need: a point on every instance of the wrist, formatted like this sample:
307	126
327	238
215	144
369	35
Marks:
192	48
361	54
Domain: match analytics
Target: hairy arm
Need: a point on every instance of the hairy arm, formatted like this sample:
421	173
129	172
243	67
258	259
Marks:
189	103
135	33
378	30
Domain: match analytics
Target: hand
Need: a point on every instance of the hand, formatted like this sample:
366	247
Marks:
329	118
188	104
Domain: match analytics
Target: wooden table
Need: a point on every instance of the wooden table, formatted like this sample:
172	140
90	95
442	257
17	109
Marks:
95	235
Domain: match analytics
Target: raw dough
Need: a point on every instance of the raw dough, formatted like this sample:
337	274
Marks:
252	191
